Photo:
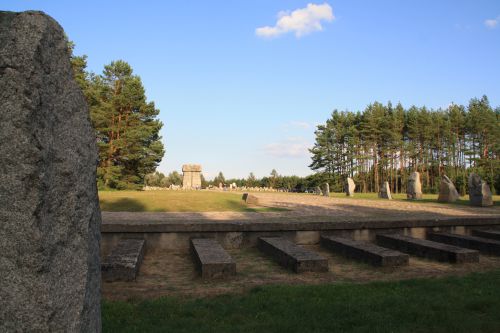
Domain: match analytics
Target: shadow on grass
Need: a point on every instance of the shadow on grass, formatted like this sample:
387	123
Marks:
122	205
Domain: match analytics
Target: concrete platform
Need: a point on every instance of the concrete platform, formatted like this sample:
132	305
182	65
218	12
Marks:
364	251
211	259
124	261
428	249
490	233
484	245
292	256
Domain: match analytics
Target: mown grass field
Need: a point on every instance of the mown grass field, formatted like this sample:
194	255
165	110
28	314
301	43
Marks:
208	201
174	201
453	304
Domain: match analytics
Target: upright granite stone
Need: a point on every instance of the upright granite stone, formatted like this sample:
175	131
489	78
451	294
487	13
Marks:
317	190
414	189
350	186
479	192
447	191
49	212
385	191
326	191
191	176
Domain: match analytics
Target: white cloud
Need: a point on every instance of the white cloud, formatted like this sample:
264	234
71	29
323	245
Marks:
304	125
291	147
492	23
301	21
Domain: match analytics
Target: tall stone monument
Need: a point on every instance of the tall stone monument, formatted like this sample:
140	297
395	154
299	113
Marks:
191	176
326	191
479	191
49	211
385	191
447	191
414	189
350	186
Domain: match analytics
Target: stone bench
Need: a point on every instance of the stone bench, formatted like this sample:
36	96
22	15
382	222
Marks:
211	259
428	249
124	261
364	251
292	256
491	234
484	245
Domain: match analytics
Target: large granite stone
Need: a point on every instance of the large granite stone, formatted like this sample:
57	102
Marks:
326	190
211	259
447	191
385	191
191	176
350	186
49	215
414	189
479	192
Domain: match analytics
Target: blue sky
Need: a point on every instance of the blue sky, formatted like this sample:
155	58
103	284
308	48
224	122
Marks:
239	99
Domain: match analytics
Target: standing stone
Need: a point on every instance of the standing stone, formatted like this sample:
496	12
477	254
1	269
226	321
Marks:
479	192
326	191
385	191
447	191
317	190
414	190
49	212
350	186
191	176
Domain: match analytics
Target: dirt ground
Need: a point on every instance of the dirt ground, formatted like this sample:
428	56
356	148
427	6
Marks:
173	273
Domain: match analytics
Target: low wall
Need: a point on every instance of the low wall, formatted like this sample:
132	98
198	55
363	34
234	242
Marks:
236	234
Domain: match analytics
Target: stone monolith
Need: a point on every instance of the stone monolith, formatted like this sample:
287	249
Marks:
447	191
326	190
49	211
479	191
414	189
385	191
350	186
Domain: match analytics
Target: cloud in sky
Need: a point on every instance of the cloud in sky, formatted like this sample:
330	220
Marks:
303	125
291	147
301	21
492	23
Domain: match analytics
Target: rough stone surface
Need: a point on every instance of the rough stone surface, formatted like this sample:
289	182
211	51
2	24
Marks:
414	189
124	262
364	251
326	191
250	199
350	186
447	191
428	249
191	176
49	216
317	190
211	259
479	192
292	256
488	246
385	191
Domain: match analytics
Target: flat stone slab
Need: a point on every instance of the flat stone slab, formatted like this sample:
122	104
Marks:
484	245
428	249
292	256
124	261
491	234
211	259
364	251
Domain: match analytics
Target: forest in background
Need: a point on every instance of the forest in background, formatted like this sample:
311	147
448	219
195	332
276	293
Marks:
387	143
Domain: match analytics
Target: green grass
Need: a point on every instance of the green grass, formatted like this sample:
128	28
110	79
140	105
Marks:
454	304
174	201
426	198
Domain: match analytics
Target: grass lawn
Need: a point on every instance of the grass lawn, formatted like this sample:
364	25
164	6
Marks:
174	201
454	304
402	197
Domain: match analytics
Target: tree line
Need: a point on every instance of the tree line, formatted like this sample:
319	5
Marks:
125	123
387	143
